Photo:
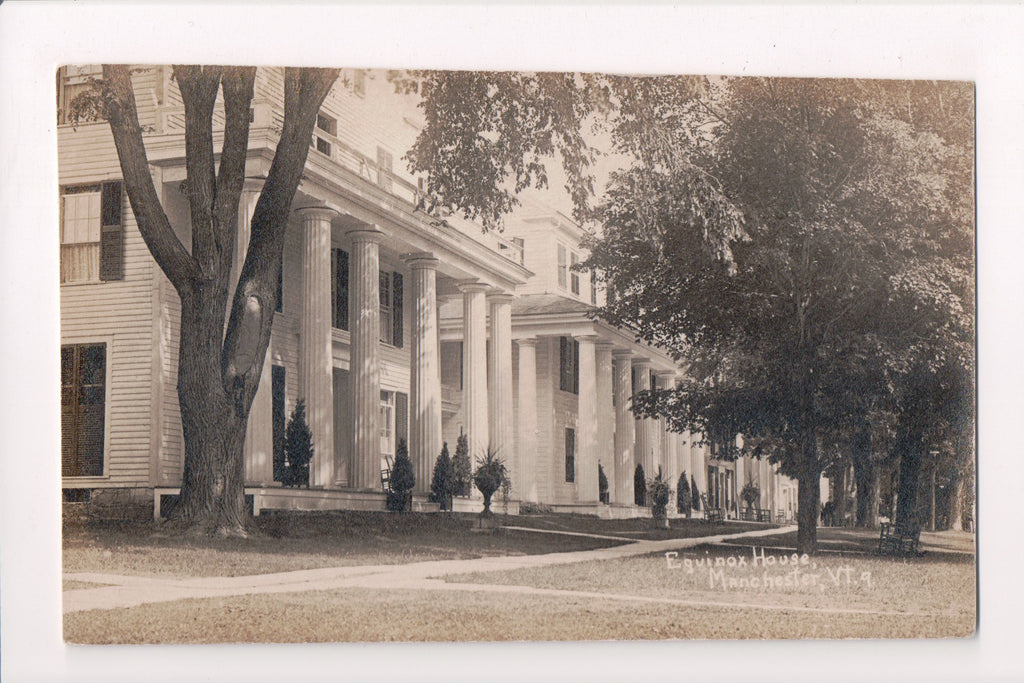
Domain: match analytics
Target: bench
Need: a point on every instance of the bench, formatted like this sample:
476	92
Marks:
899	539
749	515
780	516
764	515
711	515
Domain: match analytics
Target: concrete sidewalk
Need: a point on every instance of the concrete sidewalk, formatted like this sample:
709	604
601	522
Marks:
129	591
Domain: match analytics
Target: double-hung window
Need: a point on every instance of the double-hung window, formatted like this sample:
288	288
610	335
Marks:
570	454
83	379
568	365
563	267
575	275
91	233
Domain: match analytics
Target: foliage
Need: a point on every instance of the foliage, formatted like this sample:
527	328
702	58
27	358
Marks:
462	467
683	500
602	484
659	493
694	494
402	480
639	486
442	486
489	476
750	494
298	446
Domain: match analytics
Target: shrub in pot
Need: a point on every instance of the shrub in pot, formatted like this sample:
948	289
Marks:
602	485
683	502
462	468
639	486
659	493
489	475
442	484
403	479
750	495
298	447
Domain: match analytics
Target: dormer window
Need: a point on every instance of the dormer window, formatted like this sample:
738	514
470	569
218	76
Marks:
574	275
563	267
385	168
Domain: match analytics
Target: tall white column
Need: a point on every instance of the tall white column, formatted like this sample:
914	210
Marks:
500	414
644	426
622	494
364	370
605	414
586	425
474	364
527	404
316	381
670	463
425	381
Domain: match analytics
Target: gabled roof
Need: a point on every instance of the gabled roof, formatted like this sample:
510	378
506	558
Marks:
539	304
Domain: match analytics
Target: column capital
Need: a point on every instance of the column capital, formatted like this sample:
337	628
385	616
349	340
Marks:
421	260
365	234
253	184
622	354
472	286
642	360
666	374
497	296
527	341
321	212
605	345
591	338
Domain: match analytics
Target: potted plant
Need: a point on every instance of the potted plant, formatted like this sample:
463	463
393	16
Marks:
602	485
462	468
298	447
750	494
683	502
659	493
443	483
639	486
403	479
489	475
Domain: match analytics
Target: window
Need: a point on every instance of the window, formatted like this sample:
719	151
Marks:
72	81
593	287
570	454
574	275
339	288
385	167
83	379
359	82
563	267
91	233
519	242
394	423
391	294
278	419
568	365
323	135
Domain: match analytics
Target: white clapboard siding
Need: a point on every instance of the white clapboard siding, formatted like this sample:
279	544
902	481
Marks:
118	313
545	419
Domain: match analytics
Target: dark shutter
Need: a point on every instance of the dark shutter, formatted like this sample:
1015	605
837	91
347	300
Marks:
339	292
277	393
401	417
570	455
575	367
111	233
280	287
396	311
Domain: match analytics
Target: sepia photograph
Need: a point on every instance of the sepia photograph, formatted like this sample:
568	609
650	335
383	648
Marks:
382	357
562	347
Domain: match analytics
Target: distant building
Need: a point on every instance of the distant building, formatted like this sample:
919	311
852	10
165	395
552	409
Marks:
393	324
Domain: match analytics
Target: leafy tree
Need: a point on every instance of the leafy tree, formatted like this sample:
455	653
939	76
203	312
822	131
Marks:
683	501
659	493
298	446
639	486
782	253
221	355
750	494
443	482
462	467
402	480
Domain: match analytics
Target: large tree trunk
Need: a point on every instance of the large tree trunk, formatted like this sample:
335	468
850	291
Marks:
808	500
866	475
911	450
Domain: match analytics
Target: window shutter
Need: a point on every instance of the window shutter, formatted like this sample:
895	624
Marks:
396	315
278	419
563	364
570	455
111	233
401	417
575	367
340	293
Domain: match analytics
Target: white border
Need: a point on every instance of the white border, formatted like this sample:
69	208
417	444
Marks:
983	44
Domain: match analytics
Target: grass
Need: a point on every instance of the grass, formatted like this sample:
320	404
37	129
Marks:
288	541
356	615
633	529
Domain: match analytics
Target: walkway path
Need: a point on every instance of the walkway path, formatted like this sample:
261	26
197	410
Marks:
129	591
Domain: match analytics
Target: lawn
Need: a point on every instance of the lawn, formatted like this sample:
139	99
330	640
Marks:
287	541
